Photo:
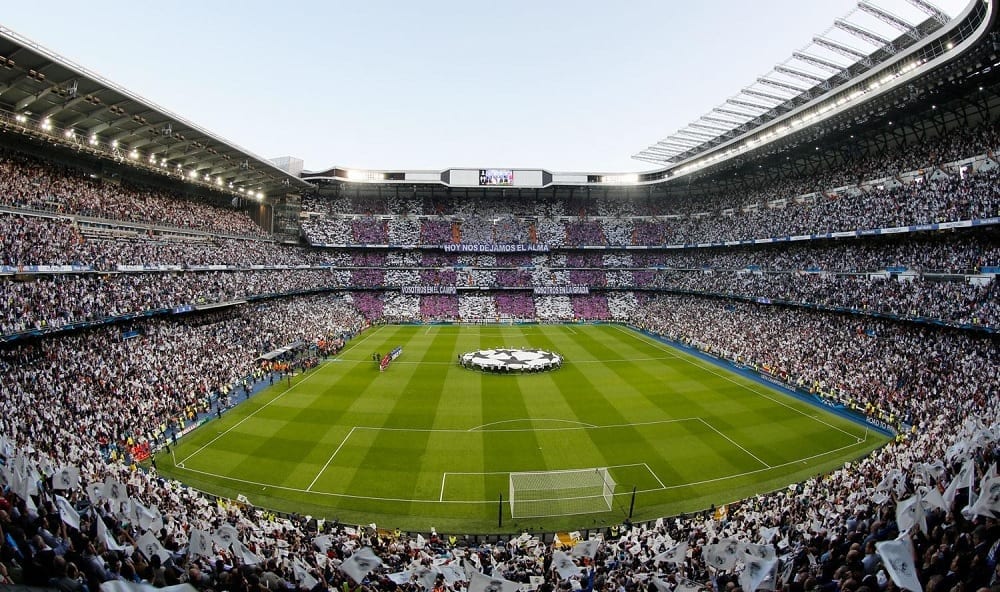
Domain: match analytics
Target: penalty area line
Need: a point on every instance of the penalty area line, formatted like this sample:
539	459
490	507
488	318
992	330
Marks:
493	501
253	413
329	460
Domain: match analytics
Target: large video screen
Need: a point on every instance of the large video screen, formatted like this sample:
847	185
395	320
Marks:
496	177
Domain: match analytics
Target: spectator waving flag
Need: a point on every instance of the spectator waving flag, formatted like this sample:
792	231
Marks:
931	498
67	512
963	479
149	546
358	566
988	502
586	548
898	561
302	575
105	537
676	554
910	513
481	583
755	571
66	478
225	535
244	554
564	565
199	543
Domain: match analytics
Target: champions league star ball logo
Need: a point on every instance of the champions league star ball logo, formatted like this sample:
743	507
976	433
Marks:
511	360
493	586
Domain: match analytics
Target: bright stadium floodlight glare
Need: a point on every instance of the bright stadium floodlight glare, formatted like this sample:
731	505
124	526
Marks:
21	118
260	195
134	154
114	143
193	174
69	133
46	124
93	139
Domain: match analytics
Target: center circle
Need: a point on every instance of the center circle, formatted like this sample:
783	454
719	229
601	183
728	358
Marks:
510	360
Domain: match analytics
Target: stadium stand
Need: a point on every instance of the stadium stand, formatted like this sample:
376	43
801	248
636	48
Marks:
114	288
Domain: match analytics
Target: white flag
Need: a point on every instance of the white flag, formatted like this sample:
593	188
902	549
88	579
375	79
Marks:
988	502
225	535
931	498
95	492
146	518
302	575
452	573
755	571
323	542
358	566
586	548
400	578
684	585
425	576
564	565
910	513
67	512
676	554
965	477
899	563
105	536
767	534
481	583
66	478
765	552
115	491
244	554
123	586
660	585
149	546
199	543
721	555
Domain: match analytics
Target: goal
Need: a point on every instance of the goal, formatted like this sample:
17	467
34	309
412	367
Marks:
561	493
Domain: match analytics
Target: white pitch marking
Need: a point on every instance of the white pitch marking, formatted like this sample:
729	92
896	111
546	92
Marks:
329	460
480	502
733	442
687	358
261	408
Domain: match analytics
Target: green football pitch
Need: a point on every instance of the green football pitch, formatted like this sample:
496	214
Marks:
428	443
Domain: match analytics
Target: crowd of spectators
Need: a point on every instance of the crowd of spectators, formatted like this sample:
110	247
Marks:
47	302
860	193
822	530
87	398
28	183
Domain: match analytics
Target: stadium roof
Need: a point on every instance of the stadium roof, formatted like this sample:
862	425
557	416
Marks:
855	44
45	95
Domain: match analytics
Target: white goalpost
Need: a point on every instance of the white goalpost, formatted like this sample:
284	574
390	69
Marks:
537	494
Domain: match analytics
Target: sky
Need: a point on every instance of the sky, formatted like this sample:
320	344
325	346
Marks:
556	84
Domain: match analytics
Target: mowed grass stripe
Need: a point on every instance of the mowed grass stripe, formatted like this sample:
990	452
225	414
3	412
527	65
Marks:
412	423
780	427
592	403
390	463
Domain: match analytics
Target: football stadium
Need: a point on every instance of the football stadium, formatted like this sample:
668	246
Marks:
767	361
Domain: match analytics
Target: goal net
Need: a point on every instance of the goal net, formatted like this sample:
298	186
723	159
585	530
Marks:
560	493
